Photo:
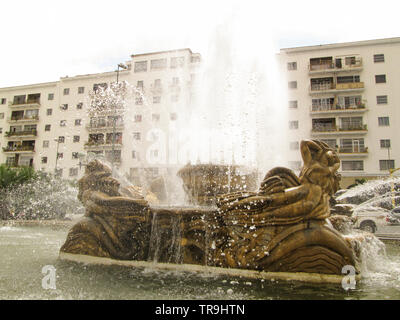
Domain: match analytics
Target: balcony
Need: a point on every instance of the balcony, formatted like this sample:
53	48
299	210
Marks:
328	67
337	108
102	145
103	127
23	119
331	129
31	103
27	133
350	151
19	149
336	88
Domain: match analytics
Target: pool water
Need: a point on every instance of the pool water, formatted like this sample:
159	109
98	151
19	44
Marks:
25	250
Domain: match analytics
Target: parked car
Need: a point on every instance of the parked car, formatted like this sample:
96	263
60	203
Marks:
375	220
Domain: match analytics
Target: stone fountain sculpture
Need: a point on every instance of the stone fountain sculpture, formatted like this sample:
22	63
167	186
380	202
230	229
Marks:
282	227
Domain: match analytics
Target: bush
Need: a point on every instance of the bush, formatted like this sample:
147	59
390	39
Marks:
10	177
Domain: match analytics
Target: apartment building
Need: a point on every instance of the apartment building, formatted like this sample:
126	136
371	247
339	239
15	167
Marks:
347	95
51	126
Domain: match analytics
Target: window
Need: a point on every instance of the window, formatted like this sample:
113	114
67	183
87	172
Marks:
78	122
138	118
383	121
292	84
293	104
381	100
135	155
379	58
330	142
158	64
140	66
139	100
79	106
175	81
349	61
173	116
44	159
157	99
136	136
385	143
157	83
97	86
140	84
73	172
294	145
75	155
1	130
45	143
386	164
64	106
47	127
60	155
76	138
155	117
380	78
2	115
61	139
353	165
177	62
154	153
63	123
292	66
3	101
81	90
348	79
50	96
49	112
293	124
66	91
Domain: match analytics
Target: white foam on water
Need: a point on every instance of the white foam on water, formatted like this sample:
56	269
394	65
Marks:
10	228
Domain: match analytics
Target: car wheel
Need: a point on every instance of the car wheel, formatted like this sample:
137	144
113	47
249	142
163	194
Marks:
368	226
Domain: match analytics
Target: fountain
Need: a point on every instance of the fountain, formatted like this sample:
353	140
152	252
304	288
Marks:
283	227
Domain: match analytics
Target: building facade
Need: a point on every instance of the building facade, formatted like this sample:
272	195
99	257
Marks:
347	95
50	126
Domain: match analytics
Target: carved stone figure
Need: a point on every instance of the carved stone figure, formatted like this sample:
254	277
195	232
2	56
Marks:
281	227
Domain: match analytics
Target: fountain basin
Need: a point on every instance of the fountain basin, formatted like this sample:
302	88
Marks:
217	271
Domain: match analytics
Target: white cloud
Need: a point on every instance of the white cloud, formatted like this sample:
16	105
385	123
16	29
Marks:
43	40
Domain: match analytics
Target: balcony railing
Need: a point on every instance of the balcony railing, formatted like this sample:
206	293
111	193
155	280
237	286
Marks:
24	118
334	128
337	107
319	87
24	102
324	128
330	66
354	127
323	66
107	125
18	148
100	144
351	149
21	133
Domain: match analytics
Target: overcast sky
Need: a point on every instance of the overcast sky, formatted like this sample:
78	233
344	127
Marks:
44	40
